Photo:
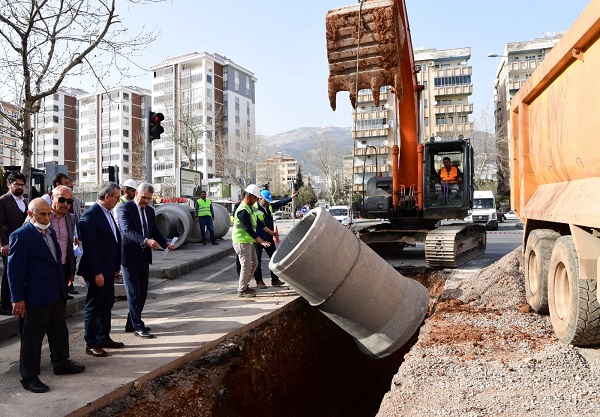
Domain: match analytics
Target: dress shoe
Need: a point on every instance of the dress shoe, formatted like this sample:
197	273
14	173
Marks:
95	351
70	297
204	243
35	385
6	312
215	242
111	344
131	329
69	367
143	334
277	283
72	290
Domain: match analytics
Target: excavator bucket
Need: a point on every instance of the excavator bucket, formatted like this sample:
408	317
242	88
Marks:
364	46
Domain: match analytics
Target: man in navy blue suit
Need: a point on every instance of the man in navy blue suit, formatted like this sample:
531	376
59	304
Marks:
38	293
140	237
100	263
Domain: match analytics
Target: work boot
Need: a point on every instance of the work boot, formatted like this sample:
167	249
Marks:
261	285
248	292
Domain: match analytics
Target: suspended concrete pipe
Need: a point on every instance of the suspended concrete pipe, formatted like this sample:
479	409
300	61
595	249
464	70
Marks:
173	219
352	285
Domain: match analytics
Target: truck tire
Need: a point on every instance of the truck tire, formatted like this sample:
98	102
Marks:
538	251
574	309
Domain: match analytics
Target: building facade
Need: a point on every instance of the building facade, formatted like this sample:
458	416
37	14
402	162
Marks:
55	131
517	63
9	137
279	171
209	106
112	132
447	85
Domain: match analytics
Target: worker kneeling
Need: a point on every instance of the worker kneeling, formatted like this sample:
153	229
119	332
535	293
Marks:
449	180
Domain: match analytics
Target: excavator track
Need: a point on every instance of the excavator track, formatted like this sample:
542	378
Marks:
453	245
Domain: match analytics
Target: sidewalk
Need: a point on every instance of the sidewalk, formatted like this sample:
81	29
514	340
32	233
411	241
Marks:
190	310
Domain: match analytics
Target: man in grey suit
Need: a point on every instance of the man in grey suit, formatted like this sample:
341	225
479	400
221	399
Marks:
38	291
13	211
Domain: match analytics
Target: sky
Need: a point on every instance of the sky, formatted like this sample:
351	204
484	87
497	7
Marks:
283	44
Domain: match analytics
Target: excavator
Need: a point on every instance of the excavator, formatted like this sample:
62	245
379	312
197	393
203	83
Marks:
369	47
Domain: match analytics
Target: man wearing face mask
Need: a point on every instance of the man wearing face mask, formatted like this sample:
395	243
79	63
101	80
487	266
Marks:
38	292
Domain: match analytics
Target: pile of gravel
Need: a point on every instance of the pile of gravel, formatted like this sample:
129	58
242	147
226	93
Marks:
483	352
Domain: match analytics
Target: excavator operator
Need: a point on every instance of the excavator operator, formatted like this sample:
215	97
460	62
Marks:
449	179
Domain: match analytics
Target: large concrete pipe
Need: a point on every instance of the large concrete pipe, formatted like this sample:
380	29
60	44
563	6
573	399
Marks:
222	221
173	219
352	285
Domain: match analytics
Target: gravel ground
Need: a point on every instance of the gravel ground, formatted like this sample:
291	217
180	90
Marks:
483	352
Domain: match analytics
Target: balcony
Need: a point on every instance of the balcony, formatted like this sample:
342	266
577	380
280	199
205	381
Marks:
381	150
454	109
377	114
455	127
457	90
371	133
515	85
449	72
523	66
371	169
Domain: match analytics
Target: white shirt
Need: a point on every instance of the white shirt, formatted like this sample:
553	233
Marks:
20	202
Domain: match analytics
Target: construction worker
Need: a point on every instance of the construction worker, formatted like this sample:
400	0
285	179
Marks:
129	188
449	178
245	223
265	208
205	216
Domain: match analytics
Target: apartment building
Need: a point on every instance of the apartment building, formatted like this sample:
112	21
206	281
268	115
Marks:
112	132
279	171
208	102
55	131
517	63
446	78
9	137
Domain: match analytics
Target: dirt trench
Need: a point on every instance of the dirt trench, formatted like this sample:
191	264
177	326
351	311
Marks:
298	364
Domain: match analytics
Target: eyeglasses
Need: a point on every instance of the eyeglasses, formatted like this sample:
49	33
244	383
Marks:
62	200
18	184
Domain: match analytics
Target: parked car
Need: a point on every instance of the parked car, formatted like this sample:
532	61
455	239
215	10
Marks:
280	215
511	216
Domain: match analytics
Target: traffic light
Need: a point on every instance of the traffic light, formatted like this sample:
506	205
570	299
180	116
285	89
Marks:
155	128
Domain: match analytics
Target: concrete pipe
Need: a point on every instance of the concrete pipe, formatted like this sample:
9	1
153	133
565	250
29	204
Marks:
352	285
222	221
172	220
194	236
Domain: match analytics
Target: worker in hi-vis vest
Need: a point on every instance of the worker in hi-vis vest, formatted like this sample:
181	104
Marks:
245	223
205	216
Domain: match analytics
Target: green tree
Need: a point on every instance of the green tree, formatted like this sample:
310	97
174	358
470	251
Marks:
299	181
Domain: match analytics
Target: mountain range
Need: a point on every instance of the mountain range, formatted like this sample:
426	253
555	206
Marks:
298	141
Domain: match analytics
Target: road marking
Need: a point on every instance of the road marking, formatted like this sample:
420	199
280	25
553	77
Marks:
216	274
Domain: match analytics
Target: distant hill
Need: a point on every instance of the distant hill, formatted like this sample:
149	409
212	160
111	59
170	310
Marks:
298	141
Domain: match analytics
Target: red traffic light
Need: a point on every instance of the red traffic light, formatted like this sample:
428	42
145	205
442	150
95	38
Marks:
154	128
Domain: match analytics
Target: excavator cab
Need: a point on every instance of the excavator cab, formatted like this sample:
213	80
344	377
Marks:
448	196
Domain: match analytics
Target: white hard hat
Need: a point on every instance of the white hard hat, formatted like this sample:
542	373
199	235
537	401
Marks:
253	189
130	183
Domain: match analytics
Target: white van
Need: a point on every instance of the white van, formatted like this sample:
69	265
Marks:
341	214
484	210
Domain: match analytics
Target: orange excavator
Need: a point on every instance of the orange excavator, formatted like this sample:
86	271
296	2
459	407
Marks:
369	47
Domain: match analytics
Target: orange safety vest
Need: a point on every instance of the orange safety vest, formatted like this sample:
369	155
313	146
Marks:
449	177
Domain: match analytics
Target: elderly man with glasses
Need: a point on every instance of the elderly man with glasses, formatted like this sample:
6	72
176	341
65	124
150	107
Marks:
63	224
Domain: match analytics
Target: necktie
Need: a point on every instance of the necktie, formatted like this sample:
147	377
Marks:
144	224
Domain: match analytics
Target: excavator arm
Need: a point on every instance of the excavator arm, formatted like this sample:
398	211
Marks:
369	47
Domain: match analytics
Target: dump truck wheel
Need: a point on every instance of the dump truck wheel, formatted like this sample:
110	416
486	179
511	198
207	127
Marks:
574	309
538	252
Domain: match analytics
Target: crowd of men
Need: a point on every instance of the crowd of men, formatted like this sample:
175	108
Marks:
38	239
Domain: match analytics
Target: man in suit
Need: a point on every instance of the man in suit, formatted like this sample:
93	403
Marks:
13	211
140	236
38	290
197	187
99	265
63	224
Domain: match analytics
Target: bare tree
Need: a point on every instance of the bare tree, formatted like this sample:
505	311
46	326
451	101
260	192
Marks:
240	151
138	154
328	160
44	41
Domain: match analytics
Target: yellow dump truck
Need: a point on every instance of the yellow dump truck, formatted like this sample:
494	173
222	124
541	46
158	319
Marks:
555	181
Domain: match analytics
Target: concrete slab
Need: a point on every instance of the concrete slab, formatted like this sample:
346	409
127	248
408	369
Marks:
189	313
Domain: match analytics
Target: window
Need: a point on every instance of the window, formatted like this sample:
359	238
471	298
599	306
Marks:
125	170
55	107
452	80
126	158
209	79
425	103
126	121
426	121
425	85
55	119
125	96
56	97
125	108
125	133
210	163
209	92
125	145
